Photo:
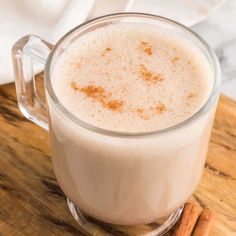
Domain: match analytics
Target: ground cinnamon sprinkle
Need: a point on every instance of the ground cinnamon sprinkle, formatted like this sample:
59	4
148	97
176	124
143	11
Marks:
108	49
74	86
114	105
190	95
141	114
78	65
139	110
158	77
100	95
174	59
94	92
149	75
146	48
160	108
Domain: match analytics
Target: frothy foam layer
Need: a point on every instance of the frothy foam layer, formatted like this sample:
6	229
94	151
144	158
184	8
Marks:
132	78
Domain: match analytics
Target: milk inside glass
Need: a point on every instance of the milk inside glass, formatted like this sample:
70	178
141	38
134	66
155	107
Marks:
133	78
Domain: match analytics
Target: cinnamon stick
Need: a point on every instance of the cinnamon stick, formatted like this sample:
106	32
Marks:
204	223
189	218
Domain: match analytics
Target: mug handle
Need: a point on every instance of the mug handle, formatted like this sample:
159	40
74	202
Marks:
30	53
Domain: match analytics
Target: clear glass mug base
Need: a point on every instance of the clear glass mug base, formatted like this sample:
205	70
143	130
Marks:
94	227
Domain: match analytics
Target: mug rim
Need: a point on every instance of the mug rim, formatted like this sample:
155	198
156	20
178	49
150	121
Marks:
88	126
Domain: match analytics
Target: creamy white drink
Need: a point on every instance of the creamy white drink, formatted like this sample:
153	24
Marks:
133	78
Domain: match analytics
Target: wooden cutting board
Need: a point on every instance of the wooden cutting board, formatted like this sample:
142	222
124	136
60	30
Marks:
32	204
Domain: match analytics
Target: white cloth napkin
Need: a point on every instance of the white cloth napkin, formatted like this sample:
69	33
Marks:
187	12
50	19
18	18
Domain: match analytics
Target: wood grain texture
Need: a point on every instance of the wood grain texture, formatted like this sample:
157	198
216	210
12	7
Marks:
31	202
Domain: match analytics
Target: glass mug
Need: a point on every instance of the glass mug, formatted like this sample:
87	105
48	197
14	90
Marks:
125	180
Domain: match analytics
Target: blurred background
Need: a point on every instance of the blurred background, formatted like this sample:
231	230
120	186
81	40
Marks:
214	20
